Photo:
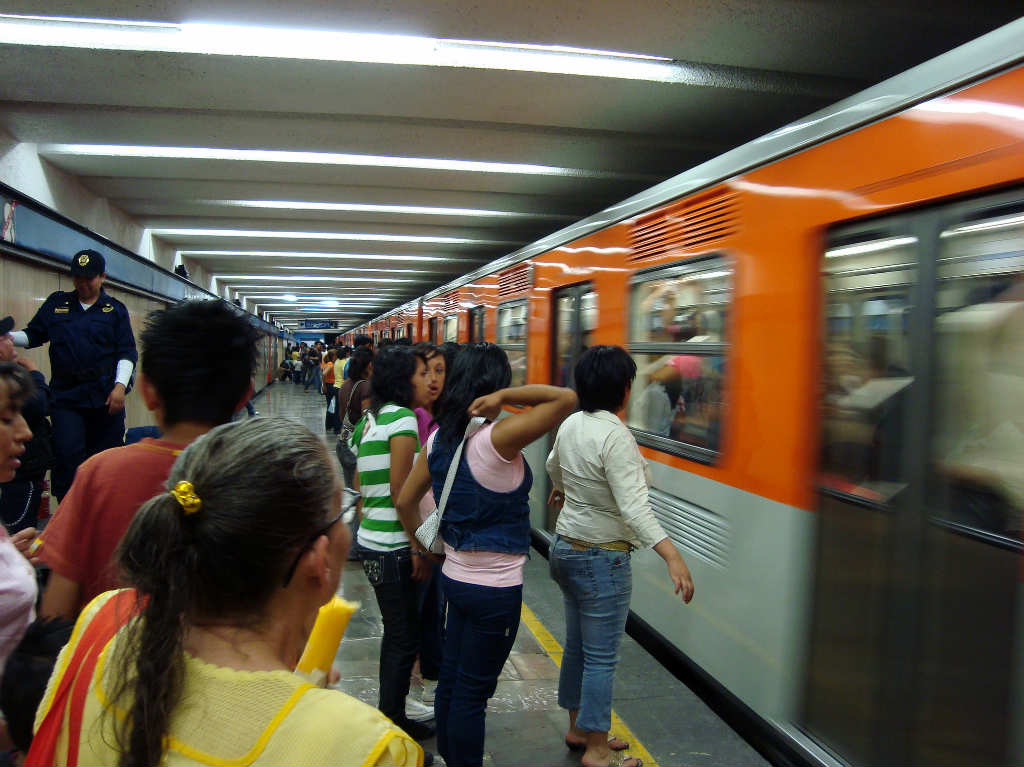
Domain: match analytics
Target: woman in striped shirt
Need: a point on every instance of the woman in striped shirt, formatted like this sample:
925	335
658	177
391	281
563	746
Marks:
385	442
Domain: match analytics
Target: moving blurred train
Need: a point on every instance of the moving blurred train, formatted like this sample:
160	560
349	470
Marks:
829	328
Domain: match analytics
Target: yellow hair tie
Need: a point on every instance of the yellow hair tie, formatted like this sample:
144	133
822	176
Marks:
185	494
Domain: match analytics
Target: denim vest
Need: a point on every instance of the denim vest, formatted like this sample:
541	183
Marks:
478	519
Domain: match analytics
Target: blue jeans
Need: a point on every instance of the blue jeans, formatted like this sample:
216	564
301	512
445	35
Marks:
479	630
596	586
314	378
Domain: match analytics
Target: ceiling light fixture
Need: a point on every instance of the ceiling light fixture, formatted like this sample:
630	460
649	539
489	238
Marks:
174	232
305	278
306	254
318	158
351	207
327	45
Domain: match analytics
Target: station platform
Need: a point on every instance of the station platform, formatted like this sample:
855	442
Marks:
664	722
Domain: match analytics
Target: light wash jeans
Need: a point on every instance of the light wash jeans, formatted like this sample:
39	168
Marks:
596	585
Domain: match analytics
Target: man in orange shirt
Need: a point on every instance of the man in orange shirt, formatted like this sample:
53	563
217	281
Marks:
189	391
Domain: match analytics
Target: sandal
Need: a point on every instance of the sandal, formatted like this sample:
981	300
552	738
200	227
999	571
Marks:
615	744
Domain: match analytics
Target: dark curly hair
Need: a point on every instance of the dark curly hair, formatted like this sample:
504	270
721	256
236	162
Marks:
391	381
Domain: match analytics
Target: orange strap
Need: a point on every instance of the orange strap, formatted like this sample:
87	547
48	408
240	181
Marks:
73	688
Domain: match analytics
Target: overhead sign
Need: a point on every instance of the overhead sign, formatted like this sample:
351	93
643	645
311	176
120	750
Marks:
318	324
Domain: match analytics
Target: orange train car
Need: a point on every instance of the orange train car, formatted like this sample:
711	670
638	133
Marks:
828	325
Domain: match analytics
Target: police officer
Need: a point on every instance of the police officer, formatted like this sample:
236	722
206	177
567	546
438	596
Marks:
92	358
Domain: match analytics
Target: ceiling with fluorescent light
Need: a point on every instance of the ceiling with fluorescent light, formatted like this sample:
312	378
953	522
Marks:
351	173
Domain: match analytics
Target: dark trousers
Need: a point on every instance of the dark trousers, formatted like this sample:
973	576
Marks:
430	599
331	420
390	574
19	503
78	434
479	630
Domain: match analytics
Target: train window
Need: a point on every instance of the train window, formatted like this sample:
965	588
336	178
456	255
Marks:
435	336
678	337
476	324
451	328
978	444
408	330
512	338
575	321
868	282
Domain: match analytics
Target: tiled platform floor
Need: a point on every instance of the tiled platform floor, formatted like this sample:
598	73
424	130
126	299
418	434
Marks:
524	724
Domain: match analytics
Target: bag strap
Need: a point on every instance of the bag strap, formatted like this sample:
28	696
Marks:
73	689
471	428
348	406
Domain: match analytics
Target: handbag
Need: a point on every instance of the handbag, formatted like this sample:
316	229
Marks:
426	533
347	427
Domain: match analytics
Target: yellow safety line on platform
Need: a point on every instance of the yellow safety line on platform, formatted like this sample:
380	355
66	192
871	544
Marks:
554	650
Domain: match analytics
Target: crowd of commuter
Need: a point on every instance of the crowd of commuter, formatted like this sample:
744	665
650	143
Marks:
181	574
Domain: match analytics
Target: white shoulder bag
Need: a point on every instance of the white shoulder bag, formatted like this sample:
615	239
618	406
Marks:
426	533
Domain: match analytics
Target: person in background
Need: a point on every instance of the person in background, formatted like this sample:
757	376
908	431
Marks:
228	565
385	441
20	498
360	341
600	484
189	391
486	532
314	358
17	578
339	367
429	386
332	423
353	398
92	358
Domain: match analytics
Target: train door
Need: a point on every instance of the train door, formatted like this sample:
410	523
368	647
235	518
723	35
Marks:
476	324
575	317
915	638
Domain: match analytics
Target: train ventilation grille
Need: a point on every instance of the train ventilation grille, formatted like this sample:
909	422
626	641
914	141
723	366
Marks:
514	280
701	532
685	226
450	305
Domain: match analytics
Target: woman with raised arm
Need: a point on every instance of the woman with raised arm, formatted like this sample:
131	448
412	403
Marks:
486	532
194	663
600	484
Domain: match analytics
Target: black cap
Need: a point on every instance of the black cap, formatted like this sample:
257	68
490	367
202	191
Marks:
87	263
6	325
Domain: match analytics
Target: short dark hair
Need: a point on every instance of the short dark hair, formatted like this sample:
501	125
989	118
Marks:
403	341
362	340
357	364
478	369
391	381
200	356
602	375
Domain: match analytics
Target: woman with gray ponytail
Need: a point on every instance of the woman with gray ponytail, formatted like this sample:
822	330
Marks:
194	663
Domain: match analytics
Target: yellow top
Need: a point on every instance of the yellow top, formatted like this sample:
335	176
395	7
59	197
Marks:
228	717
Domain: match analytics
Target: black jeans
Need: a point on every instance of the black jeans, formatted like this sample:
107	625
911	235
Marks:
430	599
390	574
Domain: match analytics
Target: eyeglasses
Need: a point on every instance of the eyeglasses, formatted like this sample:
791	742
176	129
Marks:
349	500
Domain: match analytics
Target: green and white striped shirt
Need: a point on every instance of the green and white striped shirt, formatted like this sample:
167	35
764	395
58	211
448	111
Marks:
380	529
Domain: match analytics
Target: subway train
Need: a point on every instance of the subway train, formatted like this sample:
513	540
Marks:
828	325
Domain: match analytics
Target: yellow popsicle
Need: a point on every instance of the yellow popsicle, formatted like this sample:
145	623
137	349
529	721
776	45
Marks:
322	645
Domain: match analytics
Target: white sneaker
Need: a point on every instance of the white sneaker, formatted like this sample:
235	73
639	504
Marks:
429	688
417	711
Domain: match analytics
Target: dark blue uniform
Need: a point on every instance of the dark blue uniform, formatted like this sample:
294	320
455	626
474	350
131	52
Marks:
85	346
